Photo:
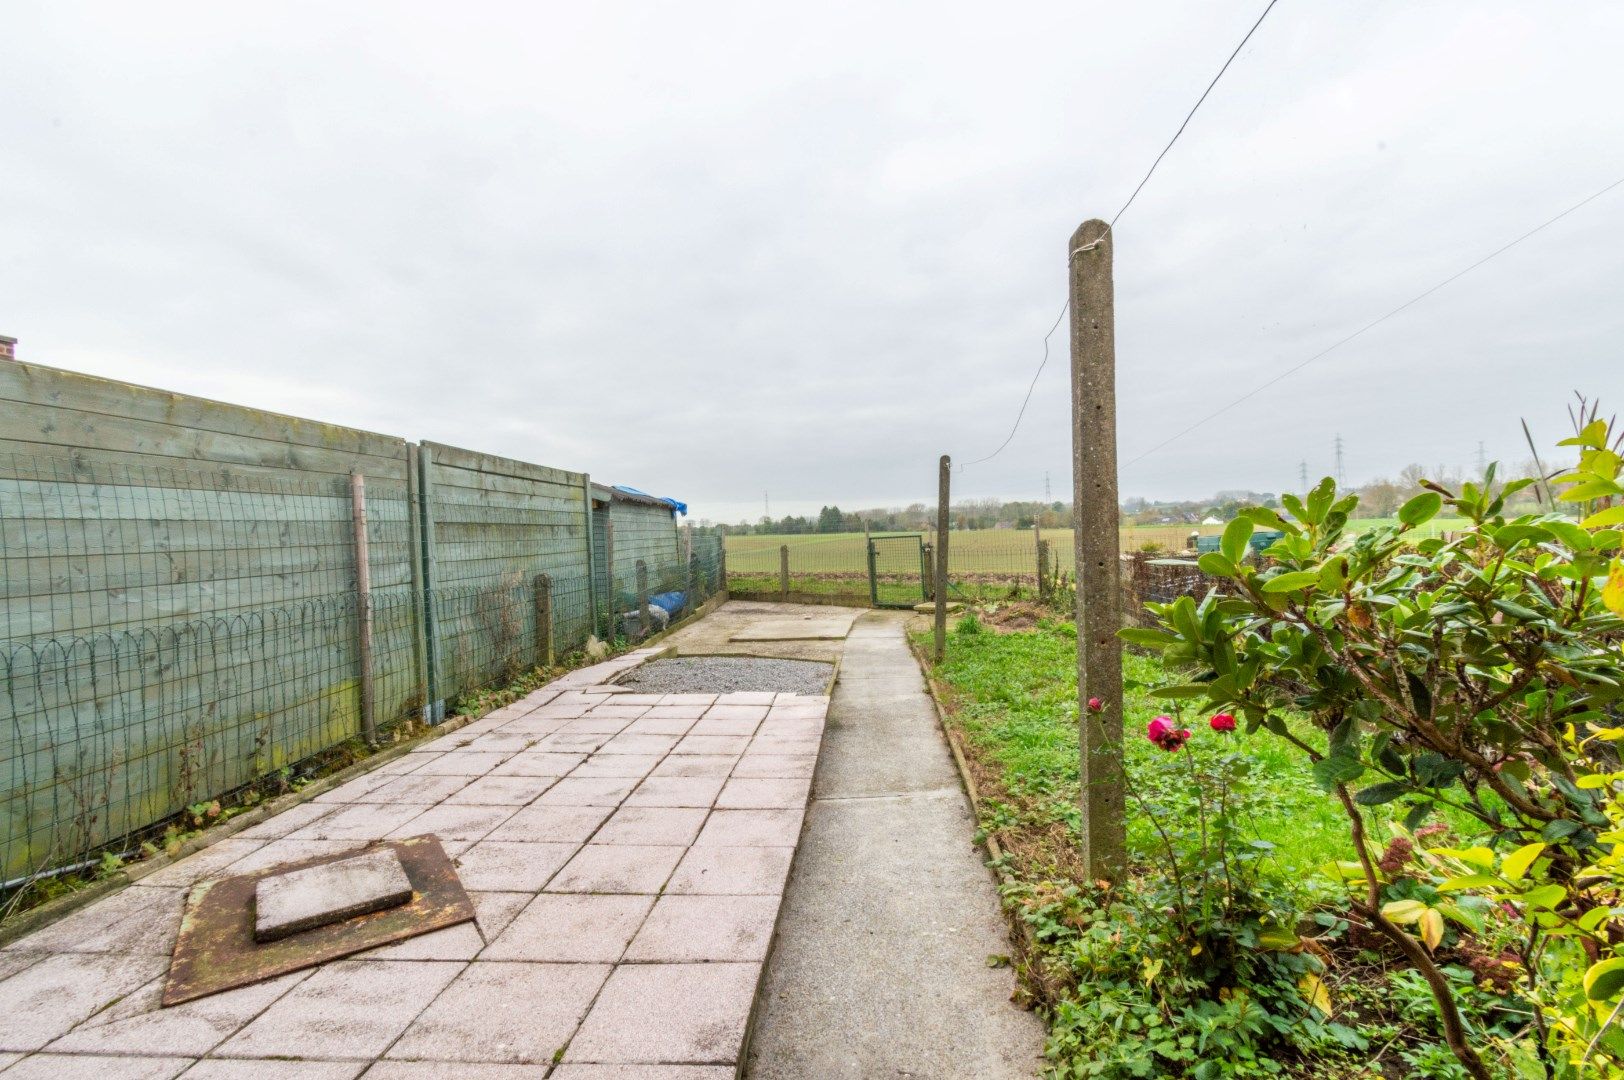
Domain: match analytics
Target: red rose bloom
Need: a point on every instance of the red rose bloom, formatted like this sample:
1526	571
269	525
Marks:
1162	732
1223	722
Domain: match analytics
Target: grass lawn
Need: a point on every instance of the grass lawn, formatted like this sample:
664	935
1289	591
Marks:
1013	696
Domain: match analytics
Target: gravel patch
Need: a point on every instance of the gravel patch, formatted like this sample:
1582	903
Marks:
729	674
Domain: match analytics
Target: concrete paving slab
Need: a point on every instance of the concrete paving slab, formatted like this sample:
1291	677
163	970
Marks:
617	868
46	999
509	866
285	904
351	1009
139	1024
713	765
765	765
743	793
689	791
701	928
566	928
752	828
668	1014
501	790
219	1069
588	791
731	871
453	1070
652	825
504	1012
71	1067
552	824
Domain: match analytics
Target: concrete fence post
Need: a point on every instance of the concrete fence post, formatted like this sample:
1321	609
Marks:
1043	570
363	605
721	558
645	621
944	479
1095	522
783	571
544	620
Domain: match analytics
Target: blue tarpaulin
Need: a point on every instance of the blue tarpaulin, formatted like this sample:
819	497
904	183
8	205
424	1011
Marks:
670	602
679	507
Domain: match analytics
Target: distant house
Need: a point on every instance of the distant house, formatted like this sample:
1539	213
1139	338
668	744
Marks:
1004	525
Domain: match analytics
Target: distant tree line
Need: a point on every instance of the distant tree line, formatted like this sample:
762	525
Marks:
1377	498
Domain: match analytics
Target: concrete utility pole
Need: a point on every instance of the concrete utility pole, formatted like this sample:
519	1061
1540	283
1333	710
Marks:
943	483
363	606
1099	566
1341	479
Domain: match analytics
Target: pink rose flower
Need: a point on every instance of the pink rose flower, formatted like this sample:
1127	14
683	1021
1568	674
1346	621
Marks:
1223	722
1162	732
1095	704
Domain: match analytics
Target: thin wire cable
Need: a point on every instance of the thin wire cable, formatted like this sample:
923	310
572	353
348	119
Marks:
1028	398
1112	224
1456	276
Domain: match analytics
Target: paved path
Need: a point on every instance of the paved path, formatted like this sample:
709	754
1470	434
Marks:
625	853
880	966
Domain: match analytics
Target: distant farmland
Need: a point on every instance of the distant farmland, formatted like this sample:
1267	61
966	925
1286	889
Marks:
972	551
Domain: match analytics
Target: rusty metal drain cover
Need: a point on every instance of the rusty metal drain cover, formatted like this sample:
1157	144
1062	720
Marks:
216	949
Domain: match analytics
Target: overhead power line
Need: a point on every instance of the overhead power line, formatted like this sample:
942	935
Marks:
1372	324
1021	414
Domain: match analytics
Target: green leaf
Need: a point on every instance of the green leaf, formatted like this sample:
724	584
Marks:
1560	829
1604	979
1376	794
1469	881
1515	867
1136	635
1613	515
1424	507
1290	582
1404	911
1593	435
1184	690
1217	565
1236	535
1337	769
1545	897
1334	574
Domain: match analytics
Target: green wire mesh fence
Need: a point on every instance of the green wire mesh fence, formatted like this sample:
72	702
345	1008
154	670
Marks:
171	635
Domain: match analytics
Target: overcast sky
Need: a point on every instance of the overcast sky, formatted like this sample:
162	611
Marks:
716	250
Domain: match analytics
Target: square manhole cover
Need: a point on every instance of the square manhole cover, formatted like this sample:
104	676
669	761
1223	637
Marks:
216	949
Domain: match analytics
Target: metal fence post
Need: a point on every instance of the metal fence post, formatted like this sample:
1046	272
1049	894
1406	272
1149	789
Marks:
645	620
363	605
1095	516
544	619
783	571
944	479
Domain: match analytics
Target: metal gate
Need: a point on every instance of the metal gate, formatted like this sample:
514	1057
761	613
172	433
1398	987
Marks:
897	570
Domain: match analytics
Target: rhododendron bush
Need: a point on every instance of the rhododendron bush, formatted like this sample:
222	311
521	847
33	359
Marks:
1483	673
